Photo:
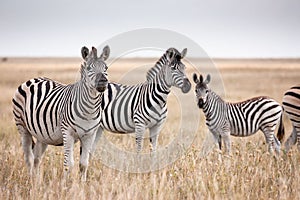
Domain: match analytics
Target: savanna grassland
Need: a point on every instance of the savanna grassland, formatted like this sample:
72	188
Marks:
248	173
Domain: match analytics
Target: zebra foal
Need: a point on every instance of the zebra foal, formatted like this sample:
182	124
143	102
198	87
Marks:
59	114
291	106
238	119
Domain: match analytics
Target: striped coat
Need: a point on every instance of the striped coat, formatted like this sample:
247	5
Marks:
135	108
238	119
59	114
291	106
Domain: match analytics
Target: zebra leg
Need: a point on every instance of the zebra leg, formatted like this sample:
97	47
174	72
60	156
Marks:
38	152
68	141
97	138
227	142
269	135
139	131
298	138
27	148
154	132
86	146
291	140
218	140
277	145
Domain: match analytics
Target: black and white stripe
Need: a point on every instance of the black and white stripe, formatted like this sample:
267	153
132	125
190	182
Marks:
291	106
238	119
58	114
128	109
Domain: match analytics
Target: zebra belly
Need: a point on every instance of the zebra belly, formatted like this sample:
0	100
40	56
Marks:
51	137
119	131
242	134
118	125
243	130
129	126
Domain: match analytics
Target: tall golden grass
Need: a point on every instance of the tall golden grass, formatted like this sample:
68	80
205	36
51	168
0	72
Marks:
248	173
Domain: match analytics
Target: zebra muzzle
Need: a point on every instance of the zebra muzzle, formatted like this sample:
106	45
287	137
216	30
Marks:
101	88
186	86
101	83
200	103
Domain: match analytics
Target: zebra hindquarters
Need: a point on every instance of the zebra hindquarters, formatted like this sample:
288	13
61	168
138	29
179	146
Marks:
270	116
291	105
280	131
26	138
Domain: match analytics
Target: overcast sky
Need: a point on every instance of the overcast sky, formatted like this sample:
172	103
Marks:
224	28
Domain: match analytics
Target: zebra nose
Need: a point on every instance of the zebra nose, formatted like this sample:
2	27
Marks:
101	78
101	82
186	85
200	103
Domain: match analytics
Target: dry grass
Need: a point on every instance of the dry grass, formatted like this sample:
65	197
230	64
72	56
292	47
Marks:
249	173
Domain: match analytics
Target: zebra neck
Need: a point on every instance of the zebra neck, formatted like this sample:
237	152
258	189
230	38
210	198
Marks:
155	70
213	101
160	83
159	90
89	92
87	99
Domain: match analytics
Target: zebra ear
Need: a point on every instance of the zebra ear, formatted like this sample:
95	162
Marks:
201	78
183	53
84	52
105	54
195	78
207	79
94	51
170	55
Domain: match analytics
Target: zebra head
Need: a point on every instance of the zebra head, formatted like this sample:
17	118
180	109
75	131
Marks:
93	70
202	89
175	70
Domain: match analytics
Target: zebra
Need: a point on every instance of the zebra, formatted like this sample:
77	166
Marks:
135	108
57	114
238	119
291	106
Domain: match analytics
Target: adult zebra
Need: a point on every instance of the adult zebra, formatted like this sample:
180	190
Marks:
238	119
291	106
58	114
128	109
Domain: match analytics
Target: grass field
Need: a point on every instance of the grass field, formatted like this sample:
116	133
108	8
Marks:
248	173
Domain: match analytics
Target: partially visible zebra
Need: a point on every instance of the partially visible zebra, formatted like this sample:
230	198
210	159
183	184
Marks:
238	119
58	114
128	109
291	106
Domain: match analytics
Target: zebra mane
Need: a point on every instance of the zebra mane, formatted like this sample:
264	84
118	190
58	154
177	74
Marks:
82	71
215	95
151	74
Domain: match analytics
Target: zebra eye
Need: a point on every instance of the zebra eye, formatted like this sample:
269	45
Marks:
88	68
206	91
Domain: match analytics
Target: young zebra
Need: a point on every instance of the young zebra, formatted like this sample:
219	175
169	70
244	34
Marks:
291	106
238	119
58	114
128	109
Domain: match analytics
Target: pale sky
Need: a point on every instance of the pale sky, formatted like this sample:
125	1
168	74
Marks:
224	28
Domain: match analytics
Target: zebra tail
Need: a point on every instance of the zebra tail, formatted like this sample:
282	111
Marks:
280	131
33	143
